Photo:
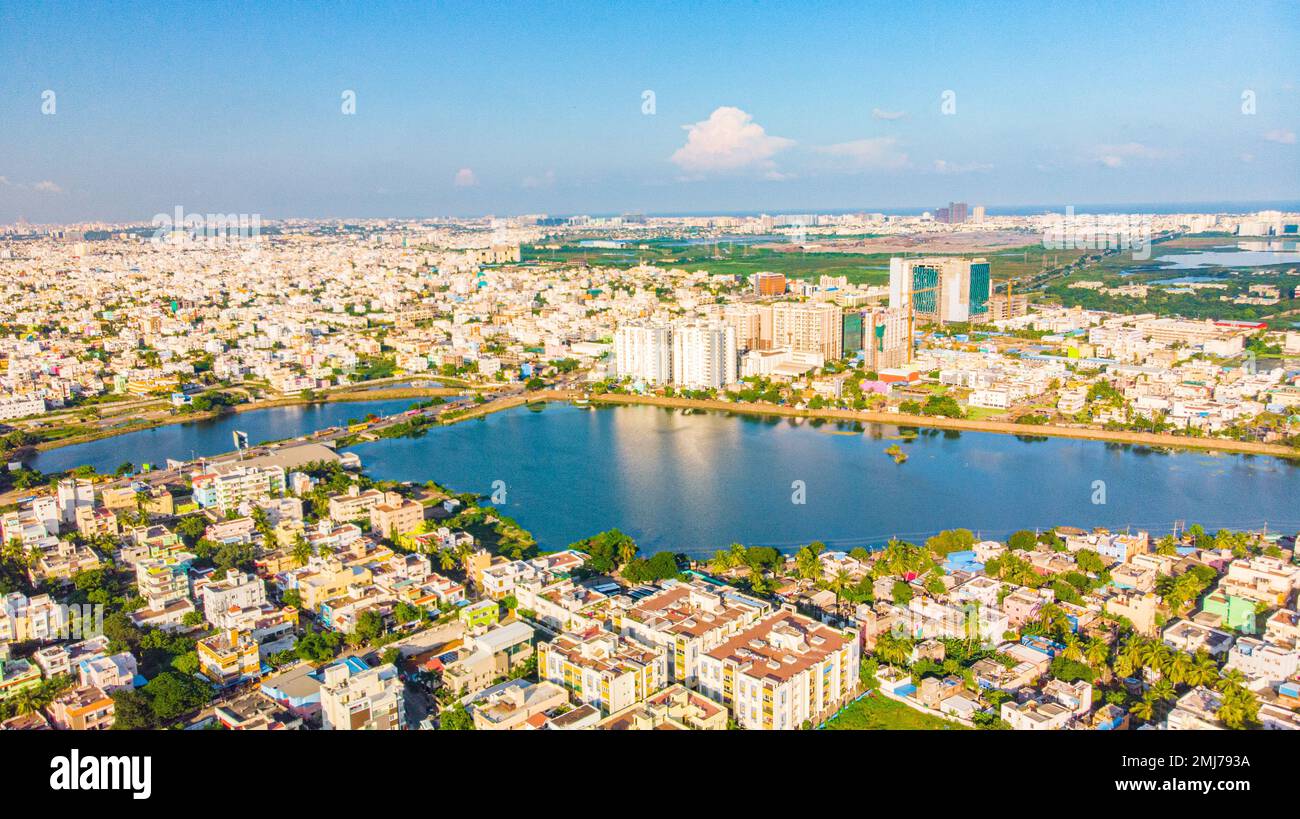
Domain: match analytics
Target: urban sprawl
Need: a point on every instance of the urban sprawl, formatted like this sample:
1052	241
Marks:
278	586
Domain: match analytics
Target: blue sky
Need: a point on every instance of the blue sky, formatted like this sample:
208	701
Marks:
506	108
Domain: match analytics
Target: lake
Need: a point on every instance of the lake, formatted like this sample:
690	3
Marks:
696	483
211	437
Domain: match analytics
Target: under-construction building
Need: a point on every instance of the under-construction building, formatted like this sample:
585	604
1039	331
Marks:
940	288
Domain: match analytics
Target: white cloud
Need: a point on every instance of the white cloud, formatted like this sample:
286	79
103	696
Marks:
44	186
1281	136
465	178
546	180
729	140
1114	156
944	166
874	154
880	113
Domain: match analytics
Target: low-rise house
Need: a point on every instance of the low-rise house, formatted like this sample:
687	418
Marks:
1191	636
357	698
82	709
1262	660
511	705
108	672
485	657
676	707
17	675
229	657
1035	716
1197	710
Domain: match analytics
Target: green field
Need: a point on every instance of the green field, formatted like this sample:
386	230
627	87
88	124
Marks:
1202	304
741	259
878	713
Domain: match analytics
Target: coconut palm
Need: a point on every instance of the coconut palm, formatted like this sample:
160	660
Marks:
1096	652
1144	709
838	582
1180	667
1073	648
446	559
1163	690
808	563
1204	670
302	550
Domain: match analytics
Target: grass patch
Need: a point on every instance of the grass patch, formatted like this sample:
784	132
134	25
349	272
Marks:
879	713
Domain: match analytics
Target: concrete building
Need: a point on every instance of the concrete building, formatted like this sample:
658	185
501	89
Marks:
806	327
941	288
781	672
704	355
354	697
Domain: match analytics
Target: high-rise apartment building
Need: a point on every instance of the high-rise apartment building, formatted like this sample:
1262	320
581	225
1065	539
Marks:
940	288
884	334
704	355
749	320
808	328
644	351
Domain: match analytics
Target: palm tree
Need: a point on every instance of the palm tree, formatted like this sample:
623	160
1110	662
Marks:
1180	667
26	702
840	581
1144	709
1073	648
302	550
893	650
446	559
1163	690
1096	652
626	551
1232	677
1204	670
808	563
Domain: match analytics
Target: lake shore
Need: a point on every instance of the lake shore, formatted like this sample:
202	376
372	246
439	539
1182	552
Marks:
938	422
275	403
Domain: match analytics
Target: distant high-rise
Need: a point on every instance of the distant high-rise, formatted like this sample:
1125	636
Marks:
957	212
977	214
768	284
940	288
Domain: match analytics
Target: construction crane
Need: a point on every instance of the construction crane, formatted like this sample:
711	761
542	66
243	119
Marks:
911	314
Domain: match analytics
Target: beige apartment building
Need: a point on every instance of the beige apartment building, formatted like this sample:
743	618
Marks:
603	669
686	619
808	328
782	672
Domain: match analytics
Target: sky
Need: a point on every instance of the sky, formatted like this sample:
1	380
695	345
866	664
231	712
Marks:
117	112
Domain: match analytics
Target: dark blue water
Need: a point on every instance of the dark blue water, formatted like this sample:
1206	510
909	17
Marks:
183	441
697	483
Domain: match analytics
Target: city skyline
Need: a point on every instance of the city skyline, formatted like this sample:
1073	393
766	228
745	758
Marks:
468	111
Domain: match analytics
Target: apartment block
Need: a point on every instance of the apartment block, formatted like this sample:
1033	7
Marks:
354	697
781	672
